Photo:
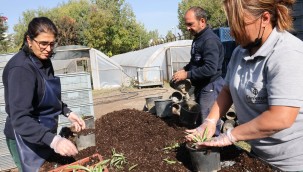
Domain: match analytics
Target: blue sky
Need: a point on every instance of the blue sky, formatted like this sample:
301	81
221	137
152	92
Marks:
154	14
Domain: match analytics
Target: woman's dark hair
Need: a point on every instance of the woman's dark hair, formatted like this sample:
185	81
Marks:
37	26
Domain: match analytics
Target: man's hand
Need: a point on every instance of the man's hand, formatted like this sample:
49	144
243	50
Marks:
180	75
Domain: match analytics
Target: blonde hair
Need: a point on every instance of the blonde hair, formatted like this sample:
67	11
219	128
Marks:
279	10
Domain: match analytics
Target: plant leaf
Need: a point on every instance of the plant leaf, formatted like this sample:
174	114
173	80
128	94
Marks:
132	167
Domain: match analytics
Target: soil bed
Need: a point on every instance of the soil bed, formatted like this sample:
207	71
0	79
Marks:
142	137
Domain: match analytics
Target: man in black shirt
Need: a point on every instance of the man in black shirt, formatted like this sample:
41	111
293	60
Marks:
205	67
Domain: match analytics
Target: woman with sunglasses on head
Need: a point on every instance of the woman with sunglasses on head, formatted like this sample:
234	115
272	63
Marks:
33	100
264	82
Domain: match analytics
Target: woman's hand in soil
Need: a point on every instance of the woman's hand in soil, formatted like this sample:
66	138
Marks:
63	146
77	123
210	124
224	139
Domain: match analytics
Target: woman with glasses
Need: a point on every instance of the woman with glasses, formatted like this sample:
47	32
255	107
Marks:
264	82
33	100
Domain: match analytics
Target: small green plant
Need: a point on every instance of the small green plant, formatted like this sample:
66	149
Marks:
117	160
99	167
132	167
198	138
171	147
169	161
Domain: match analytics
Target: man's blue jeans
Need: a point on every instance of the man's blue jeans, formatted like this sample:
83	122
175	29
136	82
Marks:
206	97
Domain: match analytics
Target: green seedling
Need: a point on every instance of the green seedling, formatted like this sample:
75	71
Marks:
117	160
173	146
169	161
198	138
82	116
99	167
132	167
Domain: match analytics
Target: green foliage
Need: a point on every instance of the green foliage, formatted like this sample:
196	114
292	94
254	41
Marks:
107	25
132	167
117	160
71	21
198	138
173	146
214	8
169	161
3	27
99	167
5	40
21	27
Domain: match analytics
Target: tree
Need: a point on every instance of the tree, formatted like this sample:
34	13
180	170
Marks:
71	20
124	33
3	37
107	25
170	36
67	31
214	8
95	33
21	27
3	27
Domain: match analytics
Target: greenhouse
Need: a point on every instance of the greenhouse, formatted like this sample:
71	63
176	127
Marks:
153	65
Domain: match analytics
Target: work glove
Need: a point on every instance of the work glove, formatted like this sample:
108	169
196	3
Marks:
210	124
77	123
63	146
224	139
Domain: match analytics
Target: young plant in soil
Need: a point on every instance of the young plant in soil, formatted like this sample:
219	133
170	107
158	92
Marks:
117	160
198	138
99	167
171	147
168	161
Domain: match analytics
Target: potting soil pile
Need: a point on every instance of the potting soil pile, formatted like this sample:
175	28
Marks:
151	144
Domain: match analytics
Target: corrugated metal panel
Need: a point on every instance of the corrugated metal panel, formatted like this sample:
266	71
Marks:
2	136
1	94
72	98
6	162
74	81
3	114
6	57
3	147
1	71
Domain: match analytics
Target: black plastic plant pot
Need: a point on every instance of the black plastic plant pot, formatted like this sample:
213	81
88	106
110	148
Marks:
150	103
189	114
205	159
163	107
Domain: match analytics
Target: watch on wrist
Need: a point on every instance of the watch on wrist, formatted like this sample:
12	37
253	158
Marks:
68	113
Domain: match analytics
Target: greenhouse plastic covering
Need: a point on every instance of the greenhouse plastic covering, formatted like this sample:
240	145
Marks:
169	57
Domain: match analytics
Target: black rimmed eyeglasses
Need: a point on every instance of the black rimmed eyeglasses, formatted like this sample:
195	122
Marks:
43	44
